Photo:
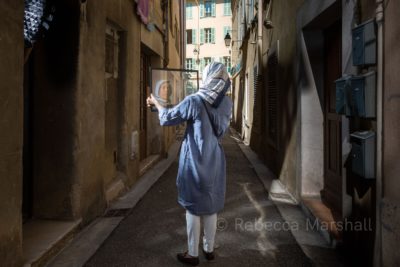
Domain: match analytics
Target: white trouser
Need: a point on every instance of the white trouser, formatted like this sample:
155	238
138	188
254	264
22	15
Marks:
193	232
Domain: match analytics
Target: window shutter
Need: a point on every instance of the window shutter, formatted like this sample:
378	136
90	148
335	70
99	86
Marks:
201	36
189	14
227	8
273	98
213	35
213	8
201	9
194	41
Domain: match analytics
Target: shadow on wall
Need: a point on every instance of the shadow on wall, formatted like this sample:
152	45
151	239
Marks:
53	86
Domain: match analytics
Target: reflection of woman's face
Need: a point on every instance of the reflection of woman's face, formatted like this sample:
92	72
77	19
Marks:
163	92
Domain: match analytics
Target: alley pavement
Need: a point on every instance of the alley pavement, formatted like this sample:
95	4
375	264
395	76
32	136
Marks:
251	230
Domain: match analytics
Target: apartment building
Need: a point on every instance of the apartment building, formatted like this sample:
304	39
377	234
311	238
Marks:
207	23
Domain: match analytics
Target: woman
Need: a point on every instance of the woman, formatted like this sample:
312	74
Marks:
163	92
202	168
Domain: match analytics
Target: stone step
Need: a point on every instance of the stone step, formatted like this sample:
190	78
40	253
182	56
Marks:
42	239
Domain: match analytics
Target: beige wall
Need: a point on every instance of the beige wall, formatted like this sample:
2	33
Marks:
94	166
391	140
11	103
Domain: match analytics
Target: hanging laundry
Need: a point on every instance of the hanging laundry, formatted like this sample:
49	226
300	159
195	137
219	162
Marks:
143	10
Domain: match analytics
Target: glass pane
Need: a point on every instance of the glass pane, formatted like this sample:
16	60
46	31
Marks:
171	86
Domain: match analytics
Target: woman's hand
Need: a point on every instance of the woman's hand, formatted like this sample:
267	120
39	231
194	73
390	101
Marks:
151	100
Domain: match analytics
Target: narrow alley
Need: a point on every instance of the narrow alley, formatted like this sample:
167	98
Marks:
89	159
250	230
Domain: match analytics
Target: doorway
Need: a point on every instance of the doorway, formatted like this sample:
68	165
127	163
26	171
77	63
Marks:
27	195
332	191
144	92
115	53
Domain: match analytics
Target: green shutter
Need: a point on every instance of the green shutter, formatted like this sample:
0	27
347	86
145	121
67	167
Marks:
227	8
194	41
201	36
213	35
189	14
201	9
213	8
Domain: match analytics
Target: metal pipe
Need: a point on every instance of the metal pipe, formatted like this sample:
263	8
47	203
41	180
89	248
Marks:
379	192
259	37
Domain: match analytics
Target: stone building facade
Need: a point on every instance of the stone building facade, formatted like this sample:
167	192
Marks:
79	132
291	55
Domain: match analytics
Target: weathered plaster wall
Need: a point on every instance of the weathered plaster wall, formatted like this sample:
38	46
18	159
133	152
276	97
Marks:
95	167
11	106
391	140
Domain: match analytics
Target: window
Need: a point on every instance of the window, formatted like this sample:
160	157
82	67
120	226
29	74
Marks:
227	8
189	64
191	36
189	11
207	8
111	52
227	63
204	62
246	99
189	39
207	35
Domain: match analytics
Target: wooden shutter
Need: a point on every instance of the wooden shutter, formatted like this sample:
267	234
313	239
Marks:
201	9
201	36
213	8
257	109
194	36
273	98
213	35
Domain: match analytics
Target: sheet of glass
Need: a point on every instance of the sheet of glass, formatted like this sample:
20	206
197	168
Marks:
171	86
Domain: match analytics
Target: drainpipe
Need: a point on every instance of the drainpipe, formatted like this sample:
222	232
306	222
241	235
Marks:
166	32
259	37
379	88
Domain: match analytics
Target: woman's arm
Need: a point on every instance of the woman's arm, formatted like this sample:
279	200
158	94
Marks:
173	116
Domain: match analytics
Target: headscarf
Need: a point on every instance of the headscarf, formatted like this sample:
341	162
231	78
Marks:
163	102
215	83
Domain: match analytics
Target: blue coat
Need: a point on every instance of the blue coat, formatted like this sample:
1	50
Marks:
202	168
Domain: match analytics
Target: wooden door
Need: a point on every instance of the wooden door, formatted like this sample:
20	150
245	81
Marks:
112	50
332	192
